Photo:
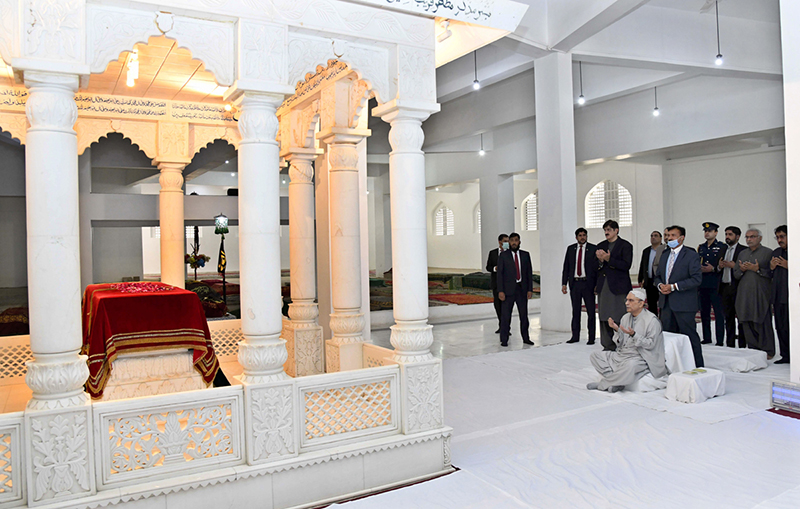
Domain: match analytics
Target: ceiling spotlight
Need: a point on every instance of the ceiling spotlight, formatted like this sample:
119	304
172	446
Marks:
655	110
718	61
233	174
368	191
226	161
476	84
228	107
133	69
581	99
481	152
437	189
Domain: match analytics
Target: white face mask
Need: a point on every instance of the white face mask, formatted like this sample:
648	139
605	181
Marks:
505	246
672	244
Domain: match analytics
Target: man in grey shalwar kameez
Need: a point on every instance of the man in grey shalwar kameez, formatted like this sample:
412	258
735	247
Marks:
640	347
753	294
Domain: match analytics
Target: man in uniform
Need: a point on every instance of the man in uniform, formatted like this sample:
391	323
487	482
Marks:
753	295
711	252
780	291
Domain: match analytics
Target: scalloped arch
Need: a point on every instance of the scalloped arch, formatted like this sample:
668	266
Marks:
16	124
112	31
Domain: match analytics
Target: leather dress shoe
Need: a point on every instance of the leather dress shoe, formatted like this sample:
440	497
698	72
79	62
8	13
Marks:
503	344
497	331
590	342
573	340
783	360
720	344
527	342
705	342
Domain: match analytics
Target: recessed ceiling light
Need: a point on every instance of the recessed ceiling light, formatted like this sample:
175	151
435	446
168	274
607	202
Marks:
226	161
233	174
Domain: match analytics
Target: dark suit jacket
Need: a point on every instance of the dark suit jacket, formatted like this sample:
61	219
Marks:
616	271
645	263
507	272
739	249
686	274
491	263
589	264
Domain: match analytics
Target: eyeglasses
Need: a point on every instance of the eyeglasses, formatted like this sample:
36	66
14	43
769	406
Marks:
752	236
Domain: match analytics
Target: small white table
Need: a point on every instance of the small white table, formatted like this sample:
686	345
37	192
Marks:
695	386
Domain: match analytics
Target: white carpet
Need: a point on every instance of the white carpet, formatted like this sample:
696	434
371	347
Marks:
528	435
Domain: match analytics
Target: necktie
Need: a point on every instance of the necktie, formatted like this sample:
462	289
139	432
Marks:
670	263
516	262
580	260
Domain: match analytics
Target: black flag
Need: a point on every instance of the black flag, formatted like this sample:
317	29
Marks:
223	262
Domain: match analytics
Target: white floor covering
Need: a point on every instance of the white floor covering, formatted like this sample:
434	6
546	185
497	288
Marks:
528	434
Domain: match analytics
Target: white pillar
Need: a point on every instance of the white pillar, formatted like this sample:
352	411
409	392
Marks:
303	311
555	149
411	334
343	351
263	352
57	373
790	45
497	210
170	220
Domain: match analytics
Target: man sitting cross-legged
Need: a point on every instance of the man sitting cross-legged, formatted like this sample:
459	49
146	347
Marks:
640	348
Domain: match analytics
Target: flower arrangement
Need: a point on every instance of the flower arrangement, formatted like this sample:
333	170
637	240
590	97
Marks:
196	260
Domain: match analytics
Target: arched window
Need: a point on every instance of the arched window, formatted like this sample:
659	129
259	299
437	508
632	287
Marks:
530	212
478	218
444	222
608	200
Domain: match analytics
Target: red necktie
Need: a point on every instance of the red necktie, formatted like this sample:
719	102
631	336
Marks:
516	261
580	260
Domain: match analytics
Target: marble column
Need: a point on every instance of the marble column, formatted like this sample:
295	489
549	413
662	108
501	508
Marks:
411	335
343	351
57	373
170	220
555	149
790	46
303	311
263	352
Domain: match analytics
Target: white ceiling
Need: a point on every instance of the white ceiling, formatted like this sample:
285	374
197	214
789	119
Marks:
756	10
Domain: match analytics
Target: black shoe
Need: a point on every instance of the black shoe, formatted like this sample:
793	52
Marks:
782	360
497	331
527	342
705	342
590	342
573	340
720	344
503	344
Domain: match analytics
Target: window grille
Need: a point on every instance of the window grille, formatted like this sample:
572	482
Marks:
608	200
444	221
530	212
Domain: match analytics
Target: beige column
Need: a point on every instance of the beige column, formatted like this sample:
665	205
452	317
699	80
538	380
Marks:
171	223
343	351
303	331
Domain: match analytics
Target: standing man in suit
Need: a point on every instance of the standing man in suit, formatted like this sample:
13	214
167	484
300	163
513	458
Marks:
729	285
647	270
711	252
780	291
580	275
615	257
514	286
491	268
679	277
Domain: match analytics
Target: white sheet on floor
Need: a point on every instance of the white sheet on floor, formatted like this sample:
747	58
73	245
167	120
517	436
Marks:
695	386
524	436
739	360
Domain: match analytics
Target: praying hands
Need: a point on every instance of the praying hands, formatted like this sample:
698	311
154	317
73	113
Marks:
603	255
613	325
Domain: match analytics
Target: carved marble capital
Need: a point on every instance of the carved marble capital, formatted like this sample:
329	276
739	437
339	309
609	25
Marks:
171	177
412	341
406	135
263	362
51	101
57	381
303	313
347	327
258	122
301	171
343	157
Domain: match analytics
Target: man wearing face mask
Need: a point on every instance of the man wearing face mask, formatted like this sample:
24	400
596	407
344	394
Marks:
679	277
491	268
615	256
753	295
580	275
515	286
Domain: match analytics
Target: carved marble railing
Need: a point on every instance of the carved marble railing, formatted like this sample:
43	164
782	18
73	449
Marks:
15	351
12	470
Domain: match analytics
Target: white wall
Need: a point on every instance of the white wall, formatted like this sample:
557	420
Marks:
529	240
736	190
116	253
13	246
463	249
